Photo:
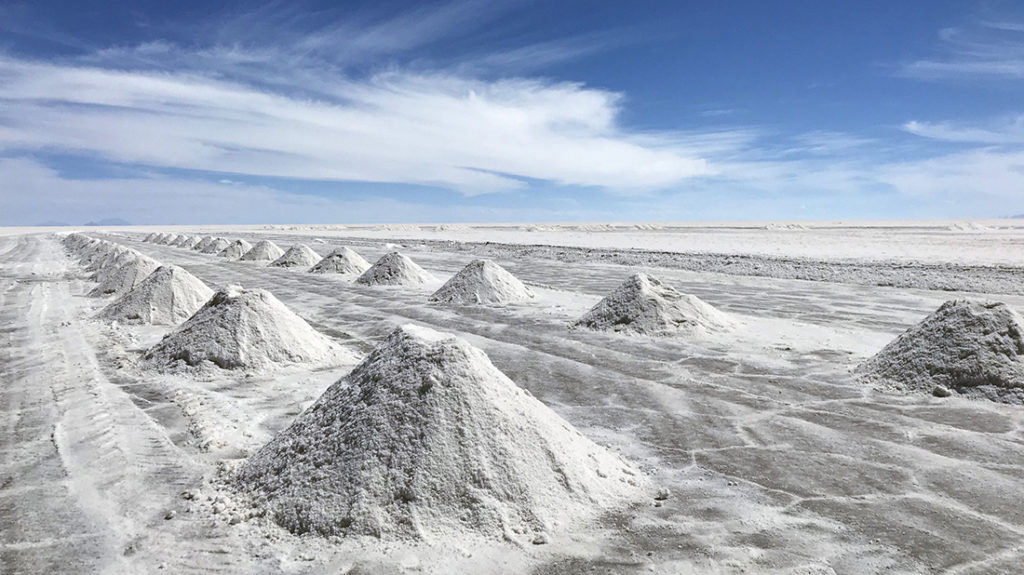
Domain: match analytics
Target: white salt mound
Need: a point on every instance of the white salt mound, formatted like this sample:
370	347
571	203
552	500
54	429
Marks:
393	269
125	276
263	251
644	305
167	297
178	240
483	282
299	255
236	250
216	246
190	242
341	261
244	329
203	243
970	347
426	438
149	238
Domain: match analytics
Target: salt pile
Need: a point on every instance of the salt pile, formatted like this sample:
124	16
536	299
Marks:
125	276
179	240
427	438
244	329
263	251
644	305
203	243
341	261
299	255
152	236
236	250
190	243
216	246
970	347
485	282
167	297
395	269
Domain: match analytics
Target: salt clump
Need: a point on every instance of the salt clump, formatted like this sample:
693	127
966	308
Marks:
969	347
341	261
426	438
299	255
168	297
484	282
395	269
263	251
236	250
644	305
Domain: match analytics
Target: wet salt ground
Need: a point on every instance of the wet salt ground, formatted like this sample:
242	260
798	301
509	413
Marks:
777	461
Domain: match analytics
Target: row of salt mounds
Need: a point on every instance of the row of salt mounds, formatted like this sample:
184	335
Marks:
971	347
341	261
124	276
190	243
149	238
299	255
180	241
395	269
483	282
426	438
167	297
644	305
263	251
203	243
243	329
109	254
216	246
237	249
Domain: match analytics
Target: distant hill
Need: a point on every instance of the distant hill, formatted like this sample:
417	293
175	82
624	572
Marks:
109	222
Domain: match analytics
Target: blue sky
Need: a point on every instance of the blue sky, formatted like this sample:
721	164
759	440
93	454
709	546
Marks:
306	112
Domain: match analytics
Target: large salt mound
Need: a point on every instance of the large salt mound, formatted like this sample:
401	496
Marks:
125	276
203	243
341	261
216	246
244	329
299	255
168	297
970	347
263	251
395	269
427	438
237	249
483	281
644	305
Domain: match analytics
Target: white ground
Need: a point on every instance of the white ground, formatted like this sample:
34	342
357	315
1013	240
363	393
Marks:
777	462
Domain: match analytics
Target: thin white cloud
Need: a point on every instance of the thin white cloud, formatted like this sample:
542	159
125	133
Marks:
992	50
1009	130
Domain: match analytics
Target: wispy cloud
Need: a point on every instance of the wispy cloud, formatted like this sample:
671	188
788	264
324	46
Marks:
1008	130
990	50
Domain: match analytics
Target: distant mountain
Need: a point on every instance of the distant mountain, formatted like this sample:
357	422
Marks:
52	223
1017	217
109	222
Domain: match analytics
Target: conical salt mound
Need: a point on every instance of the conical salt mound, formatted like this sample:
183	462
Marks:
297	256
114	254
244	329
237	249
152	236
644	305
178	241
970	347
174	238
483	282
341	261
394	269
190	243
427	438
169	296
125	276
263	251
216	246
203	243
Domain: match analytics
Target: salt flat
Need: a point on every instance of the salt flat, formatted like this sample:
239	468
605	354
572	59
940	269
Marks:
775	458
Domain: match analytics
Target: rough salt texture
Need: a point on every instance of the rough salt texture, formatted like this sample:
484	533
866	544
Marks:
644	305
190	242
297	256
203	243
125	276
394	269
426	438
216	246
179	240
169	296
149	238
236	250
263	251
244	329
969	347
483	282
341	261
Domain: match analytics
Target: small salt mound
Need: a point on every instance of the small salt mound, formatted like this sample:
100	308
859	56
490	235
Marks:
299	255
263	251
111	263
970	347
426	438
244	329
152	236
113	255
236	250
341	261
203	243
190	243
169	296
216	246
178	240
644	305
125	276
173	238
395	269
483	281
